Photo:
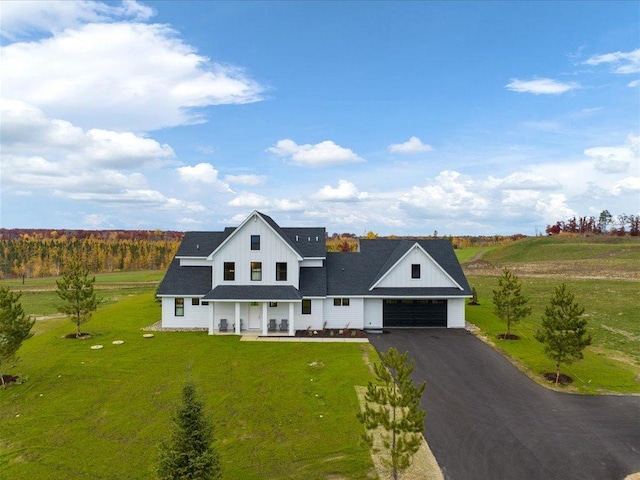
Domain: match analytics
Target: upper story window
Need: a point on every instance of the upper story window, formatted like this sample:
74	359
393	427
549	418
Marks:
229	270
415	270
256	271
179	307
255	242
281	271
340	302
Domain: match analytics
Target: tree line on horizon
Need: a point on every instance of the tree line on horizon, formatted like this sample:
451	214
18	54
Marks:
31	254
605	224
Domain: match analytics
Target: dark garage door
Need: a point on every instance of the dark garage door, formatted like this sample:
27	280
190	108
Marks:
415	313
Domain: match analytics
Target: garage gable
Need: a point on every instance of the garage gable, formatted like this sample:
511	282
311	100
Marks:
415	269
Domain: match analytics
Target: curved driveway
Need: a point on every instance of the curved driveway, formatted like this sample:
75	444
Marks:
487	420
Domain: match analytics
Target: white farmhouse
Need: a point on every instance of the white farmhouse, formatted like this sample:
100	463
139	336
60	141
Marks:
263	279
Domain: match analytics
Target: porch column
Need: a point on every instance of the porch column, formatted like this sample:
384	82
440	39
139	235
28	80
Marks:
264	318
212	307
237	318
292	330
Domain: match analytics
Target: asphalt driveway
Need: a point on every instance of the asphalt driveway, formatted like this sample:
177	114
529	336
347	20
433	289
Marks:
487	420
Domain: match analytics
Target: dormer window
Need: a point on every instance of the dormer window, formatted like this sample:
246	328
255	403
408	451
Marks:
255	242
415	270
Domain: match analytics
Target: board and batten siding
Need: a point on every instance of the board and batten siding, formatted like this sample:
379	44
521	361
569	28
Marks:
341	316
195	316
273	249
431	275
455	313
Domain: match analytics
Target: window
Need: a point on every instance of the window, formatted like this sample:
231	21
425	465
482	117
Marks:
306	307
415	270
229	270
281	271
273	304
337	302
255	242
195	302
345	302
179	307
256	271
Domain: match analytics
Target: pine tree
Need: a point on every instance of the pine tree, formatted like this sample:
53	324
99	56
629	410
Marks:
508	302
15	326
563	330
394	404
76	291
188	455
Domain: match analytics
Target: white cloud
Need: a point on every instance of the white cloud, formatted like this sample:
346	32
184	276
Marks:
97	220
250	180
554	208
26	131
622	62
121	76
616	159
626	185
320	154
286	205
249	200
413	145
21	18
344	192
201	173
541	86
633	83
527	181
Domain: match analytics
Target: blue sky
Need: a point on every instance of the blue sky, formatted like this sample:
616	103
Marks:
397	117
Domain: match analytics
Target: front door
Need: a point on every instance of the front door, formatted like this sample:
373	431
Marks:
255	315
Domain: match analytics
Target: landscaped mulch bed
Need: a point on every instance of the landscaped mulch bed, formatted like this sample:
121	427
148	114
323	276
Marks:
504	336
332	333
9	379
83	336
562	380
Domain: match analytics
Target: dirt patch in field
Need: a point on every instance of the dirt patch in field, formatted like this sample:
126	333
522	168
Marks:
583	270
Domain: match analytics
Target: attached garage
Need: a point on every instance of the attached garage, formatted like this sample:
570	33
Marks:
414	313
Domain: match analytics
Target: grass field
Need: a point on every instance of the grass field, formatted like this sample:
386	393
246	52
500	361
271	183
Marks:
100	414
604	275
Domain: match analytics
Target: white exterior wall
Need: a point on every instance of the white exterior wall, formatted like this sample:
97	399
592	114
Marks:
455	313
272	249
339	317
373	313
431	275
194	316
314	320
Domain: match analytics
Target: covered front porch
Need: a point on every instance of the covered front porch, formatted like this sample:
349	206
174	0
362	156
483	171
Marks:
246	310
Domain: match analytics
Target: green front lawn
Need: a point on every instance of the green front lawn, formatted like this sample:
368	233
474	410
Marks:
611	363
100	414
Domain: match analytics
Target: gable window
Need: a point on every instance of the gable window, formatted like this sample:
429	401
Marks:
256	271
179	307
306	307
229	270
415	270
337	302
195	302
255	242
281	271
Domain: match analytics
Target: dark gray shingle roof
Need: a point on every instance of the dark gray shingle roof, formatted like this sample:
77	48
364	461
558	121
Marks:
313	281
355	273
185	280
201	244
